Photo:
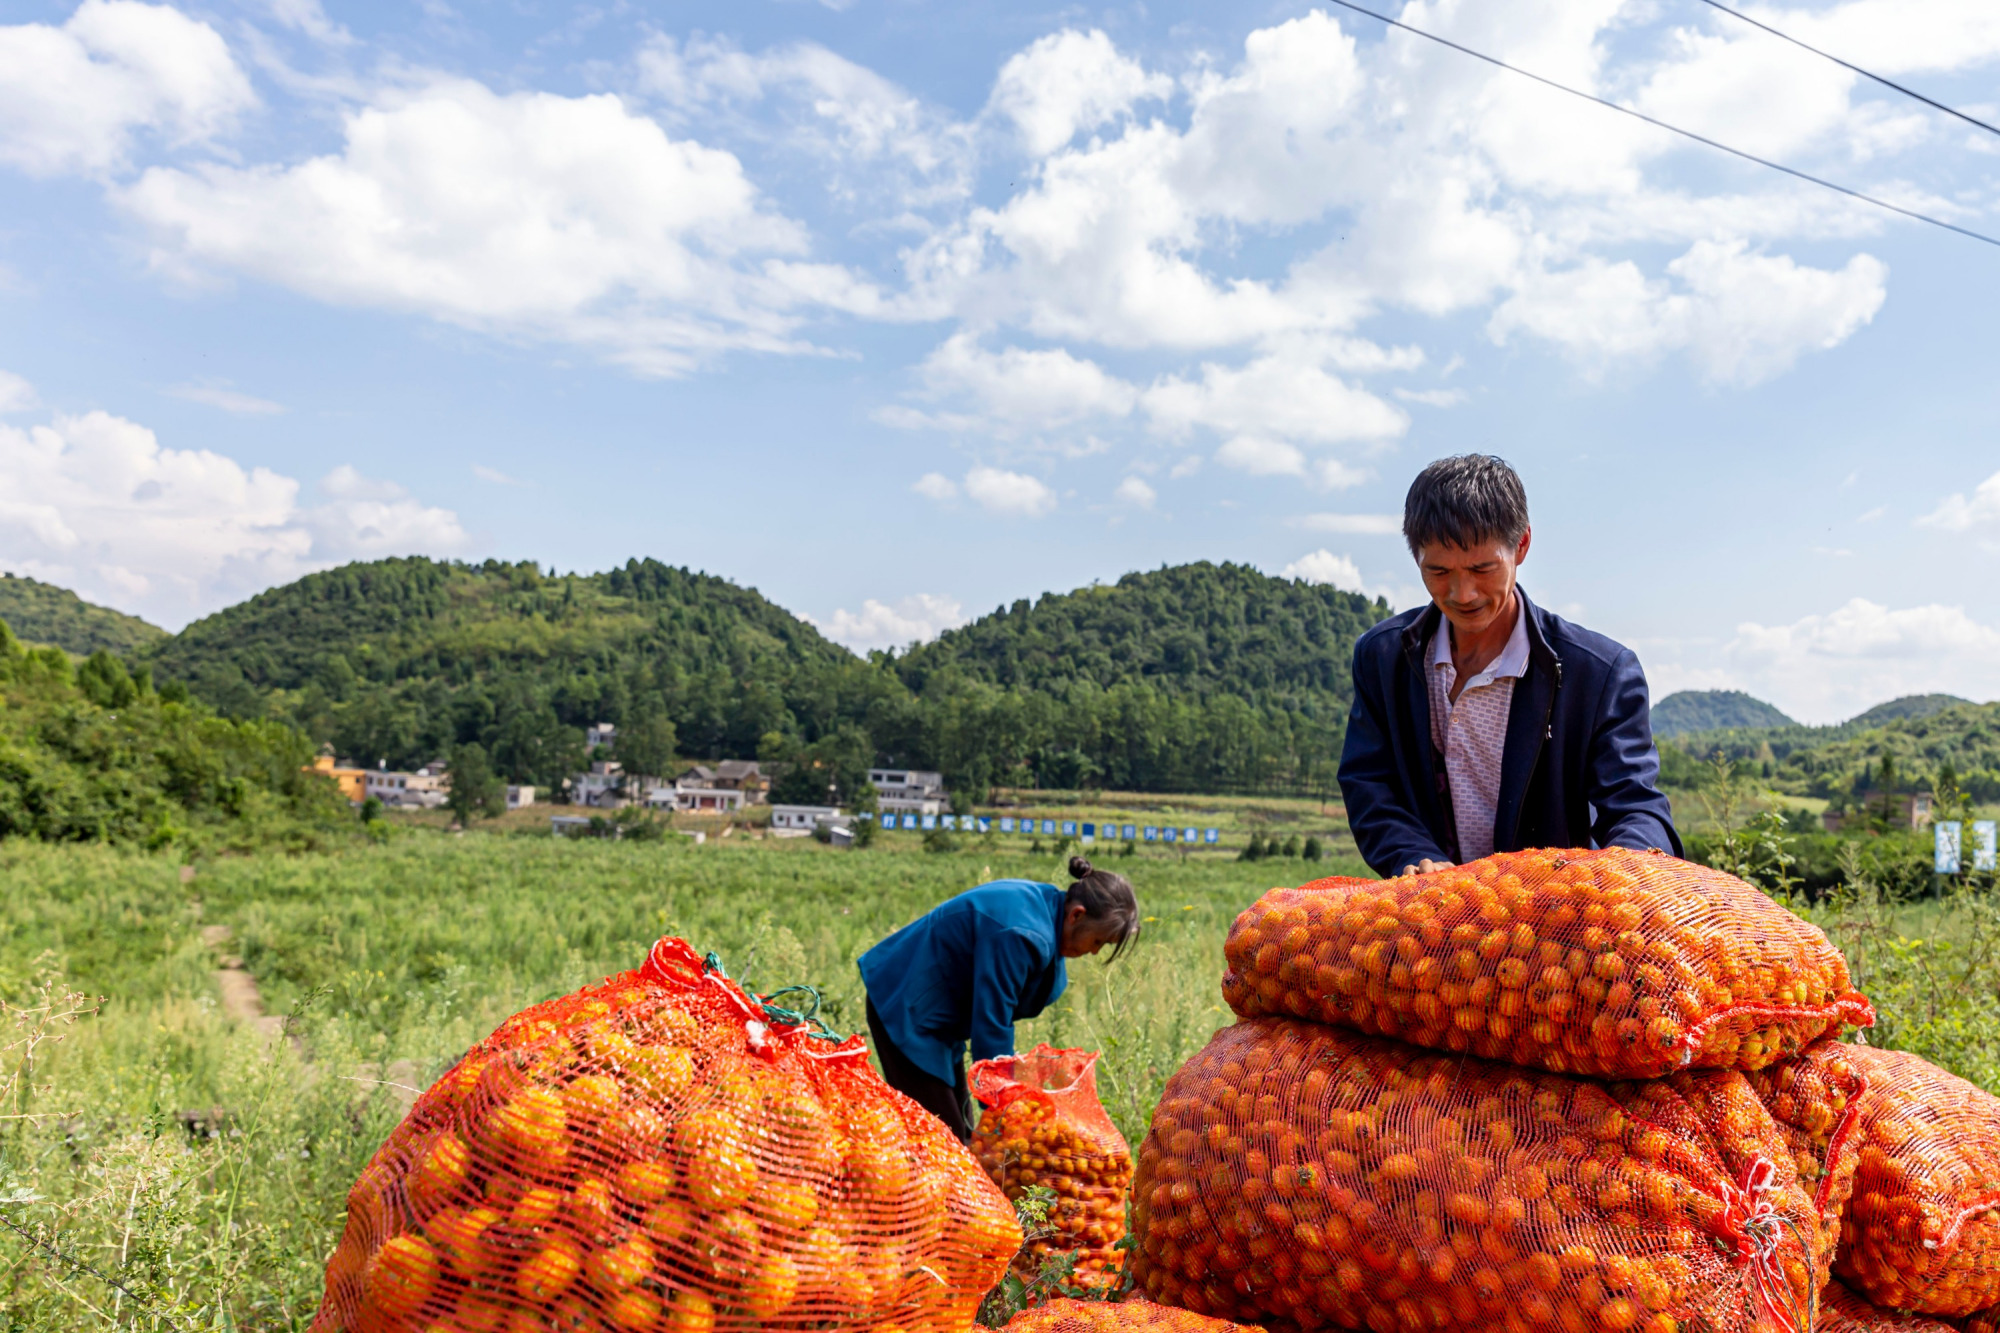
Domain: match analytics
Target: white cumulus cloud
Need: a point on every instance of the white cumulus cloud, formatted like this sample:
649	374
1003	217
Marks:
1827	667
1323	566
73	98
1958	513
526	215
1135	492
1066	83
1014	493
915	619
94	502
16	394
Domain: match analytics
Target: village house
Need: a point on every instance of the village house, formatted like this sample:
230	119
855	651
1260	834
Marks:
424	789
602	786
803	818
905	791
350	778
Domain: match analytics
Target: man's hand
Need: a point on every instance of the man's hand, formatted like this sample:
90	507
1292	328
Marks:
1426	866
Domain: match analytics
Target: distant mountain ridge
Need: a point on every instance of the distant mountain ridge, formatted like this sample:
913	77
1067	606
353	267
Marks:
1711	710
44	613
1185	678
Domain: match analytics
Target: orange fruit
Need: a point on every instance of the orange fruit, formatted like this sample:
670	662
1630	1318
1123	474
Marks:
439	1172
399	1277
549	1272
622	1265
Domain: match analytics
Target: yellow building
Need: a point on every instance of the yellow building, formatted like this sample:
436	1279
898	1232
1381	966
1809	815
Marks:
351	781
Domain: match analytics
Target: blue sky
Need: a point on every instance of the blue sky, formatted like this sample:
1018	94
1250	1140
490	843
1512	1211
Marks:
899	311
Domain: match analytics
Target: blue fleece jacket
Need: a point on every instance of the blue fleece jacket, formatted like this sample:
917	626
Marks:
967	971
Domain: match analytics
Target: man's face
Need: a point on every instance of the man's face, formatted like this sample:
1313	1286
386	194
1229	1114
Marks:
1471	586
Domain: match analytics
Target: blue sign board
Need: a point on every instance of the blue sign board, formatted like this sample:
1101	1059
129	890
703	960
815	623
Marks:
1170	834
1190	834
1982	845
909	821
1129	832
1946	847
1211	835
1048	826
1069	828
930	821
1089	832
985	824
1152	834
1006	823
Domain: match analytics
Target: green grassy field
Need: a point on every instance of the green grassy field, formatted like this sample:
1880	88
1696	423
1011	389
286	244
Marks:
202	1168
411	952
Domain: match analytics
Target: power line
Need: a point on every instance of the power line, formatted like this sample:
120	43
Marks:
1672	129
1886	83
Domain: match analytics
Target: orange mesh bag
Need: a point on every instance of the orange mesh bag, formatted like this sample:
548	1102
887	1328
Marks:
1043	1125
666	1153
1816	1100
1135	1316
1612	963
1841	1311
1309	1175
1921	1231
1986	1321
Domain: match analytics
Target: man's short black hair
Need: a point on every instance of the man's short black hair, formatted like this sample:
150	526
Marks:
1465	501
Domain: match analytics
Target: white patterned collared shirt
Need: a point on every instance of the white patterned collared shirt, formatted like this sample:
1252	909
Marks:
1471	734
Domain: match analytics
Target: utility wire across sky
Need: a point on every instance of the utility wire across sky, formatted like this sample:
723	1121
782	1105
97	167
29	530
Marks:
1886	83
1672	129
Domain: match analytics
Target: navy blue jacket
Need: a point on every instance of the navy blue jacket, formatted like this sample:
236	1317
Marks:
1579	768
967	971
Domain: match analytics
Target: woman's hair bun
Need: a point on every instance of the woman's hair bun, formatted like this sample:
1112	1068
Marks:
1079	867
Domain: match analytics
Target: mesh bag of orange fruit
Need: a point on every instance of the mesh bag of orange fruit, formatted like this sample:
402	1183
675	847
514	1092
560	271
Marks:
666	1153
1610	963
1311	1175
1066	1315
1841	1311
1816	1101
1044	1125
1922	1229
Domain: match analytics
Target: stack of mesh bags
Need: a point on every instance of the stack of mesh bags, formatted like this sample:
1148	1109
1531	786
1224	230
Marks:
666	1153
1548	1090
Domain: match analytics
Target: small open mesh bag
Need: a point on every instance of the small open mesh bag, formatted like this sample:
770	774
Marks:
1816	1100
1841	1311
1922	1230
1044	1125
1133	1316
1612	963
666	1153
1306	1175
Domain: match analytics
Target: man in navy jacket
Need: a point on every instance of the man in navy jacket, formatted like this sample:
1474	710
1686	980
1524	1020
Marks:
1483	723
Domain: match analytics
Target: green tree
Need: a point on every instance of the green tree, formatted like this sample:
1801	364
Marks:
647	747
475	788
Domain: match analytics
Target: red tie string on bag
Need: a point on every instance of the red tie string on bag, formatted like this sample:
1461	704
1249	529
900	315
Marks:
666	1153
1817	1103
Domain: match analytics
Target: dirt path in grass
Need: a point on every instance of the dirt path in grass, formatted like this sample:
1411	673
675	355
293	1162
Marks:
242	1002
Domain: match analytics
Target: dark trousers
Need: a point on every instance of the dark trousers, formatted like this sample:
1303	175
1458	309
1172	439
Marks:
947	1101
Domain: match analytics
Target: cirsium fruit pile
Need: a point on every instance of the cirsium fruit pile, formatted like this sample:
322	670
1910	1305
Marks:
1305	1174
1922	1230
1065	1315
1610	963
662	1154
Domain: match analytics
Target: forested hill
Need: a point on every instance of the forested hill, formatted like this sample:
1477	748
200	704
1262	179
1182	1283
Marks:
1196	678
1713	710
43	613
398	660
1924	739
1190	629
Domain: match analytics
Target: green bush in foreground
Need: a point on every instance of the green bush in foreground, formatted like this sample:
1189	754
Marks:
90	753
